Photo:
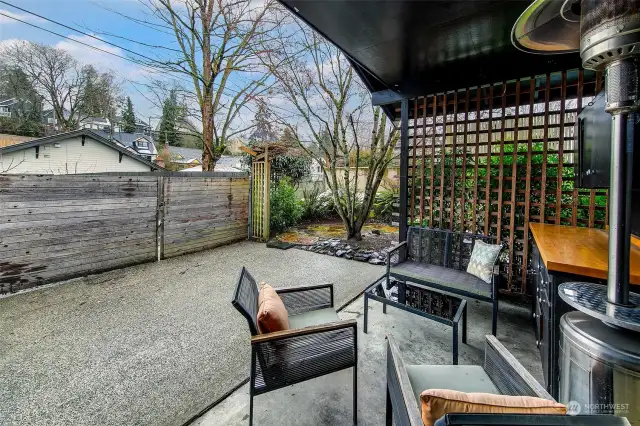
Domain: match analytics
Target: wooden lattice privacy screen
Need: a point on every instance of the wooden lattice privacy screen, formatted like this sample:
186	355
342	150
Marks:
260	183
505	156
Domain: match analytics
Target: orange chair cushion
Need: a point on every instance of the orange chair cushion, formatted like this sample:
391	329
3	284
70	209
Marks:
272	315
435	403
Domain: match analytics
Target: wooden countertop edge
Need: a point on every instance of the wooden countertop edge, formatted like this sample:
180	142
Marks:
582	270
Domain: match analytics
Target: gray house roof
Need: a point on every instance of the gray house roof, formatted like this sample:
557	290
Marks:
129	141
185	153
81	132
7	101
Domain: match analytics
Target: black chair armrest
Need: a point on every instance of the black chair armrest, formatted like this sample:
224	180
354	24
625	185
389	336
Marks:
509	376
404	404
291	356
530	420
308	298
298	332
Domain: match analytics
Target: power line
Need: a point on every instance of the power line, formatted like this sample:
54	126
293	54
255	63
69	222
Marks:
137	62
77	30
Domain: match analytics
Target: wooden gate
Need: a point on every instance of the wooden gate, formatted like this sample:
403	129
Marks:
260	183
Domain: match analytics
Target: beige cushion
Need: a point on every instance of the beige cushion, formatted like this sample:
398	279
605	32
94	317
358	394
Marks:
483	257
463	378
272	315
438	402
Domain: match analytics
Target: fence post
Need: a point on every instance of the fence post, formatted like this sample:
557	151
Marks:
160	213
250	224
267	184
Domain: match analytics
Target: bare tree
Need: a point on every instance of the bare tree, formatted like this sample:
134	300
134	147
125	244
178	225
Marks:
218	42
329	120
6	168
54	73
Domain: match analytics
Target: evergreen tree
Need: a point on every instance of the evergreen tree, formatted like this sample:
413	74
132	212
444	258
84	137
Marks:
172	115
264	131
128	123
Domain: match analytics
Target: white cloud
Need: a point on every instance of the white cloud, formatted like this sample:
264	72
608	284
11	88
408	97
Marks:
87	55
22	16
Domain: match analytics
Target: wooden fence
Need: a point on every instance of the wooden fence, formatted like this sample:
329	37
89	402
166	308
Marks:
55	227
493	159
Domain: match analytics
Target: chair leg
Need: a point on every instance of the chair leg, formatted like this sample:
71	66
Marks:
494	320
366	312
384	308
464	325
252	382
355	394
250	407
389	413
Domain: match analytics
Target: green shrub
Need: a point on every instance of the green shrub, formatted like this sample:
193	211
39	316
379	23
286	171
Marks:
383	205
316	204
286	210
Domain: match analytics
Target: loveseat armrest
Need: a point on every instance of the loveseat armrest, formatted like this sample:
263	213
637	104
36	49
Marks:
401	402
507	374
302	299
529	420
396	251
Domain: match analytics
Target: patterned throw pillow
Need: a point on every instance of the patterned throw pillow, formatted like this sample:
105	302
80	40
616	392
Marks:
482	259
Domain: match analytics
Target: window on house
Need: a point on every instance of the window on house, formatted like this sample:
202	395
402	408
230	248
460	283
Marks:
143	144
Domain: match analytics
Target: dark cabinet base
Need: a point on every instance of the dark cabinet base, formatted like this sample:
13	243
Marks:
547	309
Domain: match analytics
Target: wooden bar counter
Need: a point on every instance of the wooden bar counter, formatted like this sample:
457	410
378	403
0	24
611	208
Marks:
562	254
580	251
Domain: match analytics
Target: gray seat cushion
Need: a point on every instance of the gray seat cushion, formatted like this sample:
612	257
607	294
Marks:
447	277
462	378
317	317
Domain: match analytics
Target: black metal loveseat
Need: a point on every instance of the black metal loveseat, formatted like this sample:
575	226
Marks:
317	342
501	374
439	258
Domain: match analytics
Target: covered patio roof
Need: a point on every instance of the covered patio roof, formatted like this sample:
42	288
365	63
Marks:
416	48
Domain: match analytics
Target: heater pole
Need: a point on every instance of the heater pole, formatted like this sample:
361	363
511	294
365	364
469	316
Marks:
622	95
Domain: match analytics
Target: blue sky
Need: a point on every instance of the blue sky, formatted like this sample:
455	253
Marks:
92	17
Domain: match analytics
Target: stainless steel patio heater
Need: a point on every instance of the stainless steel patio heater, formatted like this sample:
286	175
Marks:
599	358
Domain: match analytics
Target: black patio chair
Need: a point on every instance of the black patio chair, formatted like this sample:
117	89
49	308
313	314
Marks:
317	342
500	374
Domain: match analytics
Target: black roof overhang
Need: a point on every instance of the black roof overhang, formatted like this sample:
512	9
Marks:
416	48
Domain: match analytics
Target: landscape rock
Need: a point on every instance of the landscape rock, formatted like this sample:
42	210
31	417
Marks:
361	257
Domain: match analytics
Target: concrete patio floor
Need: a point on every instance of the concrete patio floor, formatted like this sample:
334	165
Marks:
328	400
152	344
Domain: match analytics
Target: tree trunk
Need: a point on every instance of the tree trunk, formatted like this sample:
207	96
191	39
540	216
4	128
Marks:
207	151
354	231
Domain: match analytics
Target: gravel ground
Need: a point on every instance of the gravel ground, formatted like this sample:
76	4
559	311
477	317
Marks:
148	345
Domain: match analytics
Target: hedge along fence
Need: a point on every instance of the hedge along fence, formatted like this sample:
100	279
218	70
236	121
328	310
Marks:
495	158
55	227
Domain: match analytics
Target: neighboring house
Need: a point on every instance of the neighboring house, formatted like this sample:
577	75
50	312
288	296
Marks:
79	151
7	106
143	145
316	174
141	126
182	158
226	163
6	139
49	117
95	123
234	147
